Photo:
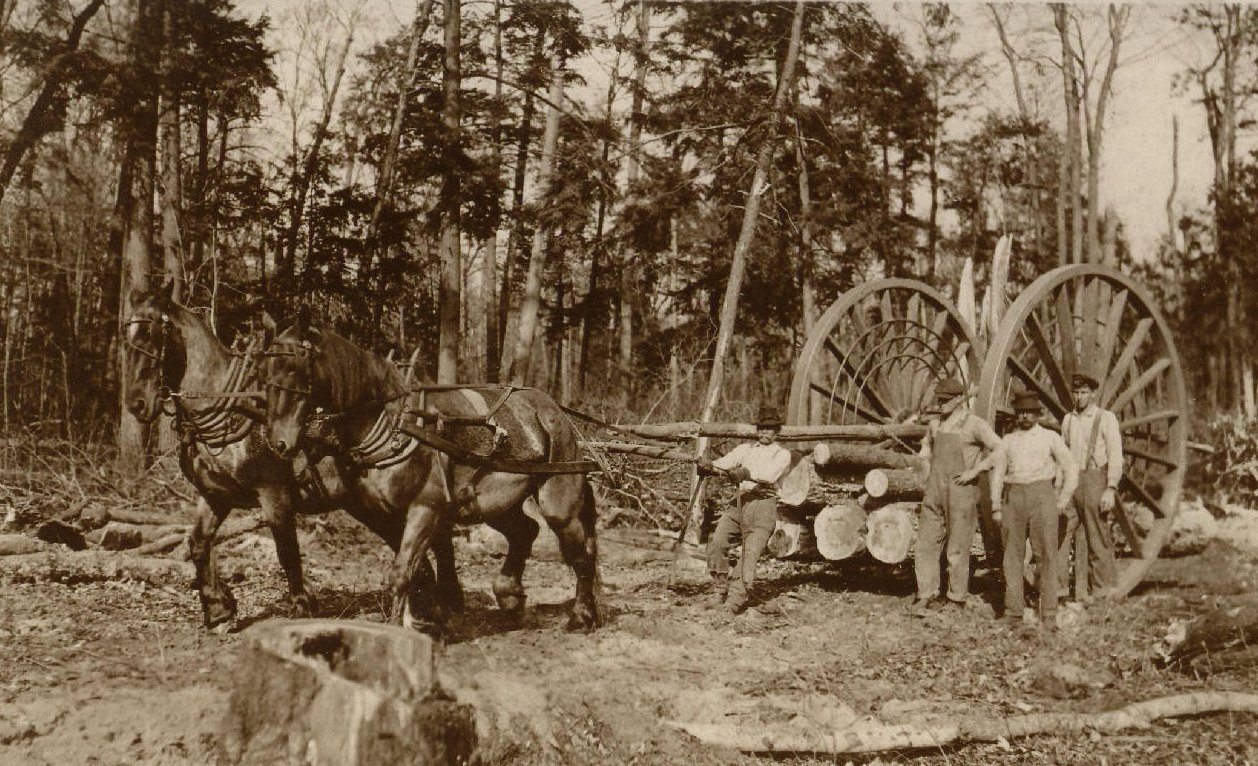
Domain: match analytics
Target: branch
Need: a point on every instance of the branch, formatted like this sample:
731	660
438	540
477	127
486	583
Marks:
880	737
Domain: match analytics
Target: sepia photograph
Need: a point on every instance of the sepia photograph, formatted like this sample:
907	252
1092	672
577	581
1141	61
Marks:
628	382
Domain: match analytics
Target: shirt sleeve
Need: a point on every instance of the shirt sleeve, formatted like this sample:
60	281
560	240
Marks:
986	436
1069	471
1113	447
732	459
1000	463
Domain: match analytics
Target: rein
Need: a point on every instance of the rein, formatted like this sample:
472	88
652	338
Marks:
231	413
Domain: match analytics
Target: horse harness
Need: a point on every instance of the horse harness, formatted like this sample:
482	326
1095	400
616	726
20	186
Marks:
227	420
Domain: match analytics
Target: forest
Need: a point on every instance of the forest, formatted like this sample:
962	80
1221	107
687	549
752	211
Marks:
560	195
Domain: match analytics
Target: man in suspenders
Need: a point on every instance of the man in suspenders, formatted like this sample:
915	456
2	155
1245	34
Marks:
1096	444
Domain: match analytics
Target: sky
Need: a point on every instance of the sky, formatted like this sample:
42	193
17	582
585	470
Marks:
1136	164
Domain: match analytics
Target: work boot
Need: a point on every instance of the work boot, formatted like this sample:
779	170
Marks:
719	589
922	607
738	598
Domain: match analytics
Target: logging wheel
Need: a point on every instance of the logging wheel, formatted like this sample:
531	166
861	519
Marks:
875	355
1095	320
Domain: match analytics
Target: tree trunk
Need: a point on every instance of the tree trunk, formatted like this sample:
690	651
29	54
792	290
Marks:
530	304
135	192
524	137
1096	131
1024	114
489	297
628	265
450	300
738	264
1068	176
1172	228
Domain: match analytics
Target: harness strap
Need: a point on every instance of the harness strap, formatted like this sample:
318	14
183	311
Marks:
497	464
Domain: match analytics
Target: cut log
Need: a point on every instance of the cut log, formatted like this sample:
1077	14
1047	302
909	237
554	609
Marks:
840	530
792	540
897	484
63	566
875	737
860	457
794	486
341	693
129	516
891	530
1208	640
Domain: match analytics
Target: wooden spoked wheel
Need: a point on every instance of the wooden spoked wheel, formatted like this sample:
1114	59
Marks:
1094	320
875	355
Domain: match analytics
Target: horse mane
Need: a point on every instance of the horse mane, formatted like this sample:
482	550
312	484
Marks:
353	374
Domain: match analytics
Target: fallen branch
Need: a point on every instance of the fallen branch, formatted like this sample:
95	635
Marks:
91	566
879	737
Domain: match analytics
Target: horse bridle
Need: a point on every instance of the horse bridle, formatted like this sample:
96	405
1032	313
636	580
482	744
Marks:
302	350
159	357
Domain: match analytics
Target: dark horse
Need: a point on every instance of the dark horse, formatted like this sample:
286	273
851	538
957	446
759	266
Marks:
323	386
174	360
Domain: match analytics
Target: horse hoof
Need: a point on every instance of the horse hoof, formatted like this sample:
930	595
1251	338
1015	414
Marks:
579	623
224	627
511	603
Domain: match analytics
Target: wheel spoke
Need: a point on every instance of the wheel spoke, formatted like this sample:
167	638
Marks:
1150	457
1144	497
1031	381
1113	322
1066	331
845	359
1055	374
1140	383
872	417
1126	359
1132	424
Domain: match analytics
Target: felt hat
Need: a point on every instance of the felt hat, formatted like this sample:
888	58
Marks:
1026	401
1079	380
948	388
769	416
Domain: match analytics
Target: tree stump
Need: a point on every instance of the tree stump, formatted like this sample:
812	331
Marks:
840	530
891	530
341	693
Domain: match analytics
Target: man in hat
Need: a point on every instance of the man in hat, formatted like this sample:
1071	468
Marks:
954	445
1096	444
1025	469
756	468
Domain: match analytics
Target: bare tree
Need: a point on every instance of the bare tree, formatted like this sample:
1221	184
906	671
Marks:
451	295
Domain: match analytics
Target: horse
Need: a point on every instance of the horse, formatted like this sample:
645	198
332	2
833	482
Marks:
463	461
175	363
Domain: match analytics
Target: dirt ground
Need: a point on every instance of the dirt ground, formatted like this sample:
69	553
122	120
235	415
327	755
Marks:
104	669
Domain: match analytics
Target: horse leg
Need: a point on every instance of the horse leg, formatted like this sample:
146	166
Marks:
567	504
411	579
520	531
218	606
277	509
449	589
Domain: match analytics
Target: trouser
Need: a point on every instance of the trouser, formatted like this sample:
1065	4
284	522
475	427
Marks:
1030	509
1087	502
948	512
754	520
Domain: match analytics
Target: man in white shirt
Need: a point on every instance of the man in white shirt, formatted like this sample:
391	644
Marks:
1096	444
1024	470
757	468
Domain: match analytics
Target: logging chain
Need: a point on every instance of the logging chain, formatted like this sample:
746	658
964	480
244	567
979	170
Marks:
870	738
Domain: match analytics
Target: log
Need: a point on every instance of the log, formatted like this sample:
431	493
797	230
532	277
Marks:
1209	638
840	530
71	568
794	486
341	693
890	532
859	457
14	544
120	536
792	540
645	450
876	737
897	484
98	516
692	429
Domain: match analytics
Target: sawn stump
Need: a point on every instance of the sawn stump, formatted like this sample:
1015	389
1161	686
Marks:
341	693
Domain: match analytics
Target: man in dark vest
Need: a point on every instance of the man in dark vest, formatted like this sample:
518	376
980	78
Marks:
954	446
757	468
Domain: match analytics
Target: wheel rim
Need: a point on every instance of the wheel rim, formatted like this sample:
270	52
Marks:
1094	320
875	355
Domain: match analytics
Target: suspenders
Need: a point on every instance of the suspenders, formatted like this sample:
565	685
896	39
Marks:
1096	429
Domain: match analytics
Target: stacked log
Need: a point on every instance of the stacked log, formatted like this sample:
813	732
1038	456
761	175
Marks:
840	530
895	484
891	530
